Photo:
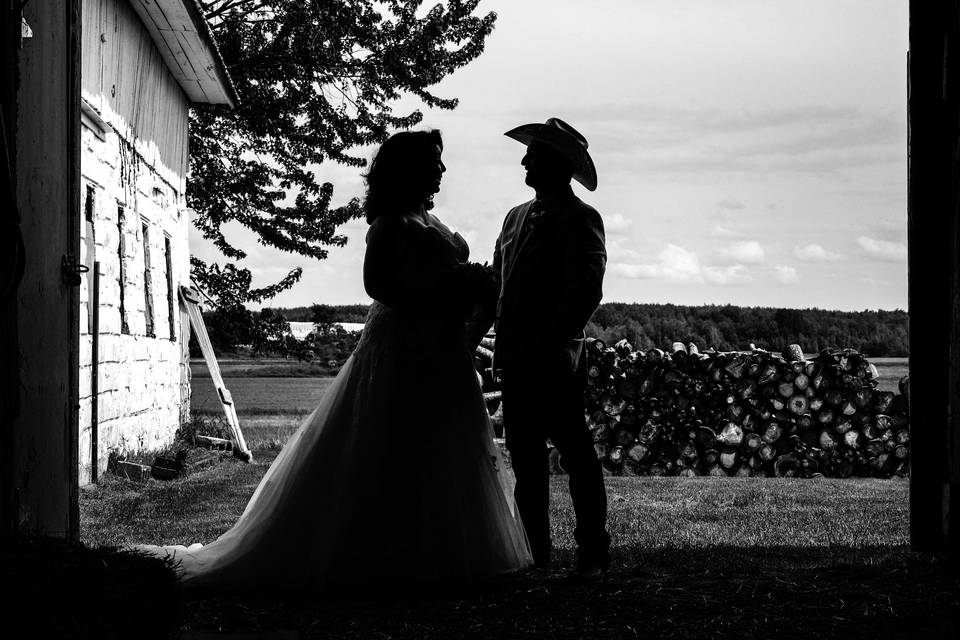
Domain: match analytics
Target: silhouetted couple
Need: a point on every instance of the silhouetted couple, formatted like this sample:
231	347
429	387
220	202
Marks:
369	490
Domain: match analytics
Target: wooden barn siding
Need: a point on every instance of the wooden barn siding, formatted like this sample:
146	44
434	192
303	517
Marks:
143	380
185	49
127	81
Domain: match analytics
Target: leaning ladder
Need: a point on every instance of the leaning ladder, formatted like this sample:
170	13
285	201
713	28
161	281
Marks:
191	300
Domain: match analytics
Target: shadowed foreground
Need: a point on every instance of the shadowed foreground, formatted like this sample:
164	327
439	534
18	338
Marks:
724	592
693	558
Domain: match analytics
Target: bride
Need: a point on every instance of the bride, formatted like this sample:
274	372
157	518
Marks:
393	477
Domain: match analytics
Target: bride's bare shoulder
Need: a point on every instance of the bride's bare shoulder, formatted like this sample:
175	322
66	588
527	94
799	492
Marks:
400	228
384	228
395	224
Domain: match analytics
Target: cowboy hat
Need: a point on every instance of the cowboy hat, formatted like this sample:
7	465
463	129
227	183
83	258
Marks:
564	139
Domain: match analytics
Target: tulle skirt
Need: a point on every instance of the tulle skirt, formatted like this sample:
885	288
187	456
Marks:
393	479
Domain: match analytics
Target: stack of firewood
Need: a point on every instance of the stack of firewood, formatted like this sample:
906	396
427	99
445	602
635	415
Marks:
753	413
746	414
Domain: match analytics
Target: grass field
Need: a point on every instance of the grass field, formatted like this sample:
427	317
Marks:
261	368
260	396
644	512
693	558
891	370
273	395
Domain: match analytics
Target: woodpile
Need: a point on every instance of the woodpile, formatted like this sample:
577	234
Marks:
758	413
743	414
183	463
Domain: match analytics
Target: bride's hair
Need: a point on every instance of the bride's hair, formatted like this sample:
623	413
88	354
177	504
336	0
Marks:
394	181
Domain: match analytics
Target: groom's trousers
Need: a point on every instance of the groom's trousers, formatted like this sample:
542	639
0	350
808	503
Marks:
541	402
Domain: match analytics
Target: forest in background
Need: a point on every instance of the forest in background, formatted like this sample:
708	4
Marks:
723	327
729	328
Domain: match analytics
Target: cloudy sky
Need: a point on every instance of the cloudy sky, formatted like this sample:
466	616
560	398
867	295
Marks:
750	152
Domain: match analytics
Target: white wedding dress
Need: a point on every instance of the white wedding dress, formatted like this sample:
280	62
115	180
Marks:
394	478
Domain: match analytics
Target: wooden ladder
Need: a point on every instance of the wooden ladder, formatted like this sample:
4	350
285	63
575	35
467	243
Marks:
191	300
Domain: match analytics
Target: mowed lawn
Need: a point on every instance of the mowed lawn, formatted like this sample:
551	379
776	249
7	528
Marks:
648	513
693	558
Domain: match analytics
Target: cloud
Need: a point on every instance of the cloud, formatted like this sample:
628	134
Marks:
616	224
731	203
816	253
785	274
864	131
618	253
734	274
748	251
882	193
719	231
819	140
645	116
892	230
883	249
679	265
674	264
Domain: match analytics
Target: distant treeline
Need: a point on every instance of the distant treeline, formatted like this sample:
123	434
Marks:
725	328
335	313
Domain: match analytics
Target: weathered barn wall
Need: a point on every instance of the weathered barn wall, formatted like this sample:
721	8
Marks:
134	143
126	80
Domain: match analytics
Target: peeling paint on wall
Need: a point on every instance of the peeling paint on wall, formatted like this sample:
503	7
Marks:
143	365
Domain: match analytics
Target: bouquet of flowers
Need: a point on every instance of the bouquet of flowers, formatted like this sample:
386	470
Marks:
475	284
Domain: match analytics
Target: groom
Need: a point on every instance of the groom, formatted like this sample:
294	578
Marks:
550	258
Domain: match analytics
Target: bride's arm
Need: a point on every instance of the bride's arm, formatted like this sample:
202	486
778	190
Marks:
380	260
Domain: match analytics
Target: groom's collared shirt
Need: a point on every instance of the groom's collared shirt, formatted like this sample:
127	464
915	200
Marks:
550	258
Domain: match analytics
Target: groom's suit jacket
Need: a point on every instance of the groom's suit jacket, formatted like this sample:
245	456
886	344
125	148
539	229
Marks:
550	258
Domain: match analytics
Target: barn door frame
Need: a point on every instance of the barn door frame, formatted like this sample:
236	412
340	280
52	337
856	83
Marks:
933	221
40	405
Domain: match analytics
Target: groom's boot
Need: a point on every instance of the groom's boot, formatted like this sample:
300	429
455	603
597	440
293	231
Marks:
587	574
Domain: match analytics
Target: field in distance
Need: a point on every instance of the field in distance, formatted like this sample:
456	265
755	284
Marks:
297	394
262	368
259	396
891	371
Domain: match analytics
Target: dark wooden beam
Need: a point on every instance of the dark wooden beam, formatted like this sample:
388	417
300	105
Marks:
10	27
43	439
934	243
951	137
